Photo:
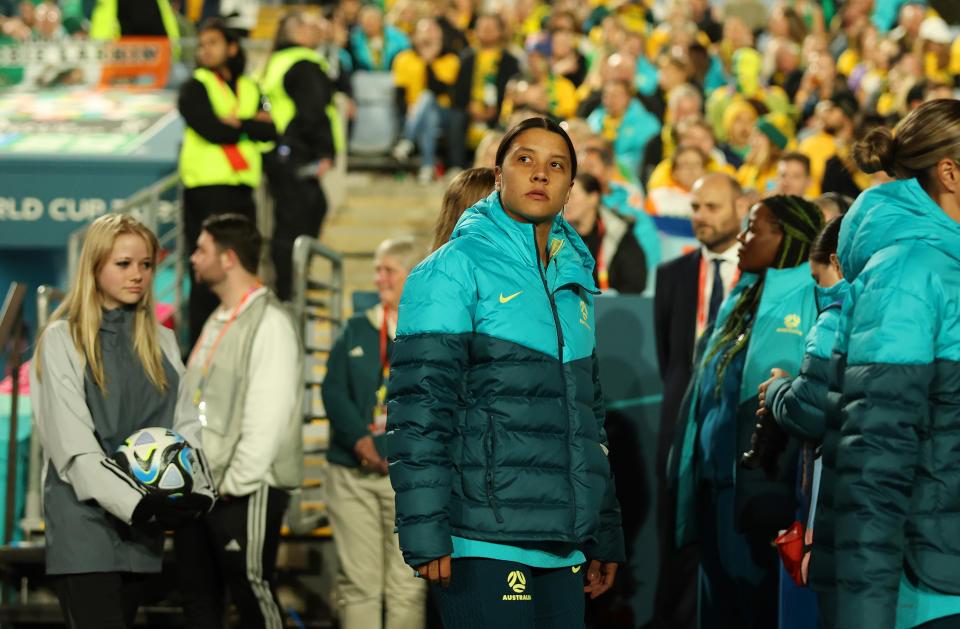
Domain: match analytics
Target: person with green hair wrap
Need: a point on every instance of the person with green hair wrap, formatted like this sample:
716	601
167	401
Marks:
734	514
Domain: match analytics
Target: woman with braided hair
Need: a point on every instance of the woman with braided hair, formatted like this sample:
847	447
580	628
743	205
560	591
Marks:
732	513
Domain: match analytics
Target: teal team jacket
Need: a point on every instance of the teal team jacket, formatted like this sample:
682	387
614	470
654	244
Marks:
786	312
495	415
898	454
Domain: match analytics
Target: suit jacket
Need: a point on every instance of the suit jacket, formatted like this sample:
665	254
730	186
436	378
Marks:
675	320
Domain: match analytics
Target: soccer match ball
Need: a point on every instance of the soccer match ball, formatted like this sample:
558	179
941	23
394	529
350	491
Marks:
160	460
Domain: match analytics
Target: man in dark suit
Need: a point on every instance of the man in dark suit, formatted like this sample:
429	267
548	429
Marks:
689	292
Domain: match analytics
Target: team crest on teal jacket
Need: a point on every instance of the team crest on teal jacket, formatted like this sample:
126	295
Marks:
495	416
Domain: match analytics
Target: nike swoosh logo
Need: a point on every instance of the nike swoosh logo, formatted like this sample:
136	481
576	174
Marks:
575	569
504	300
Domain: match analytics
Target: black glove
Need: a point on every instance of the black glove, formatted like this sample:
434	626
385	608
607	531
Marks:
169	513
768	441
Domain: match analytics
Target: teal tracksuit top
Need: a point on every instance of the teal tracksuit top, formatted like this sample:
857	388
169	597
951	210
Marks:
786	312
495	415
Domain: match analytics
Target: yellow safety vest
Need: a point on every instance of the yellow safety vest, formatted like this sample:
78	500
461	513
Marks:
105	26
282	107
203	163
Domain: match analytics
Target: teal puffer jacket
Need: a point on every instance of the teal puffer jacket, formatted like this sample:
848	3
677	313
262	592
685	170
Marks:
785	314
898	475
495	416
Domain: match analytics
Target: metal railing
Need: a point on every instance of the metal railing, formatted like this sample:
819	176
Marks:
318	293
32	523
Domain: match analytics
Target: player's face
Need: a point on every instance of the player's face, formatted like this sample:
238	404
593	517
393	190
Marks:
127	273
534	180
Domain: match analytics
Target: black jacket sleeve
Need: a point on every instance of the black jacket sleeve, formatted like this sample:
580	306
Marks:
259	131
309	135
464	82
197	111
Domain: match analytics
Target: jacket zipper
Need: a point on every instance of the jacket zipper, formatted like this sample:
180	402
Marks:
563	377
491	460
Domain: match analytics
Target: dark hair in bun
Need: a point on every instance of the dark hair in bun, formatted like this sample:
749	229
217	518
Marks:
928	134
876	151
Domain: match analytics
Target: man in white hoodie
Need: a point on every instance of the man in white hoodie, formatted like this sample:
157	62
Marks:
244	375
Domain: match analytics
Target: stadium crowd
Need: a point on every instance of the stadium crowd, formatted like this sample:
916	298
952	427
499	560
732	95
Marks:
735	160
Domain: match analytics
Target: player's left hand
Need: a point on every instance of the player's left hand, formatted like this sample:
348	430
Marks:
600	576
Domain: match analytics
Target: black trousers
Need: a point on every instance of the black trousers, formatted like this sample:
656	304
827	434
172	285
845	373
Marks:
100	600
233	548
486	593
299	206
199	204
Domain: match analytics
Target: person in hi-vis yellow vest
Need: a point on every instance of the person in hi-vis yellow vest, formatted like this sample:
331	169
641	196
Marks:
112	19
220	160
299	92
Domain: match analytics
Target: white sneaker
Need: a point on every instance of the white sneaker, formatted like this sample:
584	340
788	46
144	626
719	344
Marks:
425	175
402	150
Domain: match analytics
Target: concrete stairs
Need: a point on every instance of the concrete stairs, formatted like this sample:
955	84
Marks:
377	206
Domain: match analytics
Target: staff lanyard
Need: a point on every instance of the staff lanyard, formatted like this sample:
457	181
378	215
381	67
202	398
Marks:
702	293
216	342
603	275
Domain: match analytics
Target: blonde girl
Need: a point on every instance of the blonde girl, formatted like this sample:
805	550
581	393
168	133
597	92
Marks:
103	369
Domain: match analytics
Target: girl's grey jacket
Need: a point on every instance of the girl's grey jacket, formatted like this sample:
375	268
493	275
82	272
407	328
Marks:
88	499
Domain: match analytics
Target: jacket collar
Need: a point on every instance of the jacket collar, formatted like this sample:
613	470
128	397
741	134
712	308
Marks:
488	220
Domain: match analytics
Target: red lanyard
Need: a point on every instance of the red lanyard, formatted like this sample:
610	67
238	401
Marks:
702	294
603	276
216	341
383	343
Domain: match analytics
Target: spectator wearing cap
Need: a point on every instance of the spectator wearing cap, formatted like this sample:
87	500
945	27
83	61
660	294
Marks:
561	93
771	135
837	118
935	41
622	120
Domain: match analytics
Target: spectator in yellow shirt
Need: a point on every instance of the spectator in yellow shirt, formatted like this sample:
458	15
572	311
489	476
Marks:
562	98
426	76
